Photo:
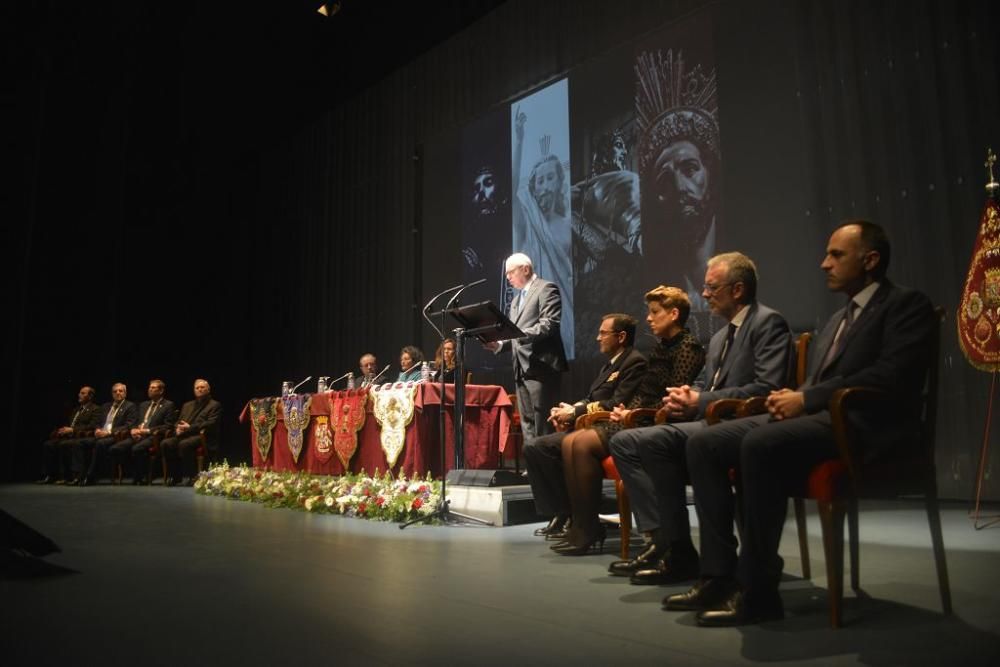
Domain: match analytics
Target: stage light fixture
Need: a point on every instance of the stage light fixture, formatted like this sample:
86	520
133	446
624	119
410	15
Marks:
328	9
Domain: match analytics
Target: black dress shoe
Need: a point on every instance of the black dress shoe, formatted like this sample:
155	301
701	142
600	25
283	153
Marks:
86	481
644	561
742	609
73	482
563	533
554	526
672	568
705	594
44	480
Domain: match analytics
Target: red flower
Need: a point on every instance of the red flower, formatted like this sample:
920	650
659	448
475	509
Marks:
380	501
368	492
423	488
257	475
361	508
417	503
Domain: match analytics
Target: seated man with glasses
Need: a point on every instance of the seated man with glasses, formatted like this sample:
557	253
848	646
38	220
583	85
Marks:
615	383
748	358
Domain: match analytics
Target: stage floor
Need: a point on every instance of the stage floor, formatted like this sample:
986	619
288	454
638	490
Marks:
166	577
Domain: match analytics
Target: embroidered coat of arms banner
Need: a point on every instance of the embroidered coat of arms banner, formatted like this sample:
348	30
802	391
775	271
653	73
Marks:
296	407
347	411
978	317
263	417
393	408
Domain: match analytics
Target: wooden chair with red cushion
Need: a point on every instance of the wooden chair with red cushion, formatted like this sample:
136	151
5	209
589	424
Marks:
838	484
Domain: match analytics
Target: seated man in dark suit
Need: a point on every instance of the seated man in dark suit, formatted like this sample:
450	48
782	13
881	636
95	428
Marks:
747	358
880	339
200	416
158	416
56	451
117	417
368	365
614	385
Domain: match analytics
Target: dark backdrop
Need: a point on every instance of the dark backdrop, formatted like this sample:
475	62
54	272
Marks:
184	208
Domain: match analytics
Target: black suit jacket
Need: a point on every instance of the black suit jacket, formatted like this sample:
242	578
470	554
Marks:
88	417
538	314
203	416
615	383
887	348
757	363
126	417
163	417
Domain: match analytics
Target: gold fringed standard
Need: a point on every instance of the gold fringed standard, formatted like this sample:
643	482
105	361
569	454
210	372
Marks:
978	318
263	417
393	408
297	418
348	415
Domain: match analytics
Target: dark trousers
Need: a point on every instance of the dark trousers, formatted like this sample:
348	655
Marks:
139	454
57	456
535	398
121	453
653	466
89	454
178	452
543	459
773	458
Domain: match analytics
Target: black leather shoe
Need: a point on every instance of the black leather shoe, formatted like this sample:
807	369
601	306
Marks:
86	481
73	482
741	609
563	533
705	594
644	561
670	569
44	480
554	526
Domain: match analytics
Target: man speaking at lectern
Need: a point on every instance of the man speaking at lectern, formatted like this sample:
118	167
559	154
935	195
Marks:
539	357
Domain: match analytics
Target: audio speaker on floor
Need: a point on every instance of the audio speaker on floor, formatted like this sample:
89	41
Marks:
499	477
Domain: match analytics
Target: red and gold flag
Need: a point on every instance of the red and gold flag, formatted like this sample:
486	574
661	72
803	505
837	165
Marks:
978	317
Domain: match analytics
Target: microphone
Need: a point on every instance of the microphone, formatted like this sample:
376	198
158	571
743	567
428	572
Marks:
437	296
380	374
333	382
301	383
454	299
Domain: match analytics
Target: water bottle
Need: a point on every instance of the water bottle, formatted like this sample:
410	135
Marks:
321	384
286	388
425	372
350	381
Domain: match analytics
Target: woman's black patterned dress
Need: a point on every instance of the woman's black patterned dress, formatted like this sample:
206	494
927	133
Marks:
672	363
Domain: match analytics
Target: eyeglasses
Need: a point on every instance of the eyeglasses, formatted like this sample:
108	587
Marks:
602	332
712	289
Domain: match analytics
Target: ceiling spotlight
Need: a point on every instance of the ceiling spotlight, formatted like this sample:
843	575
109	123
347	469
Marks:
329	8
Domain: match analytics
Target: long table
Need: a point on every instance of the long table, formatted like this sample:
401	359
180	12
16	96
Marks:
488	412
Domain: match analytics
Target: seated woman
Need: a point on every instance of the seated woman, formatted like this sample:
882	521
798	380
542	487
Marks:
444	360
676	360
410	358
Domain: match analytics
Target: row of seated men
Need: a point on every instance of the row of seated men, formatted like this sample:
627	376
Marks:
123	433
880	338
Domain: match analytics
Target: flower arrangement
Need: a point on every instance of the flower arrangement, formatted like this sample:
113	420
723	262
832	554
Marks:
378	497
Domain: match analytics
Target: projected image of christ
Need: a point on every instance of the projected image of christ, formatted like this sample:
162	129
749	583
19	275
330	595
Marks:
542	223
679	170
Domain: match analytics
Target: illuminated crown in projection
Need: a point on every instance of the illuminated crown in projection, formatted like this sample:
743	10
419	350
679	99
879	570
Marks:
544	144
674	104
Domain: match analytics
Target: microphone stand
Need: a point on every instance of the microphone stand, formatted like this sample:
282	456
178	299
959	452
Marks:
443	510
